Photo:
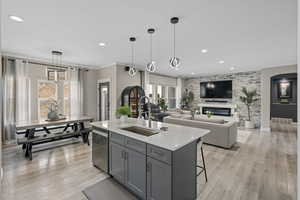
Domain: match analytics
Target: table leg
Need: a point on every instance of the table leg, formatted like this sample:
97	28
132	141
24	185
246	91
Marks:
81	129
30	151
67	126
46	130
28	145
26	150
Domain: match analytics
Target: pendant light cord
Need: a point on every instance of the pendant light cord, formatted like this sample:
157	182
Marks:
174	41
150	47
132	54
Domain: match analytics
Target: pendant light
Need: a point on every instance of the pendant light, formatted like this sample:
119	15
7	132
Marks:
132	70
151	66
57	58
51	72
174	61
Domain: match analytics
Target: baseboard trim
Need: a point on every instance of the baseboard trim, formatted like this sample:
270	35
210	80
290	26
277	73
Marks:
265	129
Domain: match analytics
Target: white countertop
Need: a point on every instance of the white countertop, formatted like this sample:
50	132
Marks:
174	138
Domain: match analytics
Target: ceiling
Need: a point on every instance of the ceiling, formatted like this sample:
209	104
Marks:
247	35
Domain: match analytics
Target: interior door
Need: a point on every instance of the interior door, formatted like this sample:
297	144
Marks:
104	105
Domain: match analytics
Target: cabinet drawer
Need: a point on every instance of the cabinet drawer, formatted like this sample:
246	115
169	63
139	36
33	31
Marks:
159	154
117	138
135	145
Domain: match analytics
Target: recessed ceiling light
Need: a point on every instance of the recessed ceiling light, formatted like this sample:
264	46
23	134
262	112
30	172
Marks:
102	44
192	73
16	18
232	68
221	62
204	51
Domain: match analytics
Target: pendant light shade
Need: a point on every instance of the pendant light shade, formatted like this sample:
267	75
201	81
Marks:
174	61
151	65
132	70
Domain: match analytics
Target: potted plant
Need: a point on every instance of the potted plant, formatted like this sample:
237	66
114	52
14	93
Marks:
124	112
162	104
249	98
53	110
187	99
209	114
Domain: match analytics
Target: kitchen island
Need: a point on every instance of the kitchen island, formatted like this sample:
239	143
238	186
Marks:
154	161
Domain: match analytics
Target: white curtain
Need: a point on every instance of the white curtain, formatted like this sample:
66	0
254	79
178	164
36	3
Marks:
9	98
23	108
76	92
16	97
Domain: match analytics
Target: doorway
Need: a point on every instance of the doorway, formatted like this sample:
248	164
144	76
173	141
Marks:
284	96
104	105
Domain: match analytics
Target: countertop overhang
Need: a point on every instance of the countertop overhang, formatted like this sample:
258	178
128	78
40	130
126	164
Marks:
173	139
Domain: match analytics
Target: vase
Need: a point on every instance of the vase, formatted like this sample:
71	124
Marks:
249	124
52	115
123	118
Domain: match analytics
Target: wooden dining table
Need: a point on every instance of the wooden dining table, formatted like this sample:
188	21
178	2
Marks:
31	128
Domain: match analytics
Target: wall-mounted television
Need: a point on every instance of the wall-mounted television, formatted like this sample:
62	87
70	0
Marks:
216	89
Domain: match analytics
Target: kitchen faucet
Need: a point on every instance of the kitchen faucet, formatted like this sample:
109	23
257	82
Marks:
149	109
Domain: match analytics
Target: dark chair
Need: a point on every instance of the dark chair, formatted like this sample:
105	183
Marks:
156	112
202	168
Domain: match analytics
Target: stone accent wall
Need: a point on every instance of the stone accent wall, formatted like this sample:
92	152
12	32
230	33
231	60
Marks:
250	80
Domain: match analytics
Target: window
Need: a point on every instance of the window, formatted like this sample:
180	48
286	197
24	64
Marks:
47	91
53	90
66	98
162	91
171	97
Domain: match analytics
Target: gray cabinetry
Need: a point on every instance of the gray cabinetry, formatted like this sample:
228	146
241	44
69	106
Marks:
159	184
152	172
135	172
128	166
117	162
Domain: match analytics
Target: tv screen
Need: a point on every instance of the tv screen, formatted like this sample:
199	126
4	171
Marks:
216	89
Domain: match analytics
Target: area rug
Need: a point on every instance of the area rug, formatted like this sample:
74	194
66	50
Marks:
108	189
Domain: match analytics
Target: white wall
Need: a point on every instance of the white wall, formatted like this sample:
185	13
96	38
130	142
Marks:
162	80
118	78
124	80
266	75
90	93
109	74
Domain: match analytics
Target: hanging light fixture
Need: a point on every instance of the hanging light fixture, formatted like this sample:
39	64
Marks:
56	57
132	70
174	61
51	72
151	66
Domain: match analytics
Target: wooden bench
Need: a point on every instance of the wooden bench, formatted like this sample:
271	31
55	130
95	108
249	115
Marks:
28	142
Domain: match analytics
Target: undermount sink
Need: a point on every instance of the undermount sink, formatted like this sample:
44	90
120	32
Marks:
140	130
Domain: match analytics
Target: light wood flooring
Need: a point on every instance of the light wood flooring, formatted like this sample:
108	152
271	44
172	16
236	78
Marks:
261	166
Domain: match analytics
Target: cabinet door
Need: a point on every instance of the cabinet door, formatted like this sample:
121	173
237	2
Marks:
117	162
159	181
135	172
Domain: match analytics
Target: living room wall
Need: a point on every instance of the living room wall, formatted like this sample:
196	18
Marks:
250	80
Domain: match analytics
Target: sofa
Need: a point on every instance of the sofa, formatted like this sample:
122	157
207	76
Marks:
223	133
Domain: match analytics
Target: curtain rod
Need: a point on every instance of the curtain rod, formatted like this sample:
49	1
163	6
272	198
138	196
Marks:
47	64
25	60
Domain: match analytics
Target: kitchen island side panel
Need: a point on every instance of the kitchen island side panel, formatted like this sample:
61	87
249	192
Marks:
184	172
